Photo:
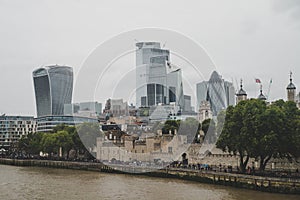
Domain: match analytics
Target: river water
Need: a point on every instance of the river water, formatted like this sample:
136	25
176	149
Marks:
48	183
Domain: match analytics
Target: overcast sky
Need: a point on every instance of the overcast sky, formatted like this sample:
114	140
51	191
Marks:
245	39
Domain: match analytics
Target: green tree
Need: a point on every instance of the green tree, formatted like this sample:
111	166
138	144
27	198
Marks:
88	134
170	125
190	127
237	133
64	141
31	143
266	138
209	128
253	129
49	144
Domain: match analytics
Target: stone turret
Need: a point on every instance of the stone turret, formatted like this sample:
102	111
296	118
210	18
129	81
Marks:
291	90
241	95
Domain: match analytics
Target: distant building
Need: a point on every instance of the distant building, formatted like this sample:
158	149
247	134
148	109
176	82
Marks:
47	123
83	109
241	95
118	146
163	112
151	74
204	111
12	128
291	90
219	93
116	108
53	88
298	100
261	96
175	87
187	104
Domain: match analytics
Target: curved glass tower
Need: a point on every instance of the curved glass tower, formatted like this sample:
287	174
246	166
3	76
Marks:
216	93
219	93
53	87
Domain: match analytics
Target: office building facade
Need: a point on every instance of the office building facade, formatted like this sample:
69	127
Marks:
13	128
47	123
83	109
151	74
175	88
53	88
218	92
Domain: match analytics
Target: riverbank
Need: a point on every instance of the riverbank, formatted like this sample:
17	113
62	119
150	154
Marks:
266	184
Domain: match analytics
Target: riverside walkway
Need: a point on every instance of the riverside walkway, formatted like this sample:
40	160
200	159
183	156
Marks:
268	184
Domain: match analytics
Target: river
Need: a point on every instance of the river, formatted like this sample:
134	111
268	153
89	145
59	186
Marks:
48	183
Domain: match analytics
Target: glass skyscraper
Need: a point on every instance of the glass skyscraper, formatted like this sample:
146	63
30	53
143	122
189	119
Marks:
151	74
219	93
175	87
53	88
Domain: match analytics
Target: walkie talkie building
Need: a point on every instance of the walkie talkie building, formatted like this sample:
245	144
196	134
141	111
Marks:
53	88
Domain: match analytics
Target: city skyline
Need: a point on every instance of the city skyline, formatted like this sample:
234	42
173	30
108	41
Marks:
251	47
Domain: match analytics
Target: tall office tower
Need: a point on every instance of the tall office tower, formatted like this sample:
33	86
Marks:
151	74
53	88
291	90
201	90
219	93
230	92
216	93
187	104
175	88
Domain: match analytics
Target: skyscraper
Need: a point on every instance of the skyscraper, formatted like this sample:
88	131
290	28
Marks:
53	88
219	93
175	88
151	74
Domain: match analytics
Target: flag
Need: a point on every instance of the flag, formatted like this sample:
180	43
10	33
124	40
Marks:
257	80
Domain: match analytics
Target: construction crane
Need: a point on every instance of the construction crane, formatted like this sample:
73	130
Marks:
172	66
269	88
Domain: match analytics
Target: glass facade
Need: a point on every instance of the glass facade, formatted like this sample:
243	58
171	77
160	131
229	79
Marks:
12	128
174	82
47	123
151	74
53	88
219	93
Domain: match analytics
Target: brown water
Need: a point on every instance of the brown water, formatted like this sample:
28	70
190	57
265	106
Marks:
47	183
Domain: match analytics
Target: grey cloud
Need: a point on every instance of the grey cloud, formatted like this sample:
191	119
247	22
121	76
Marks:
291	7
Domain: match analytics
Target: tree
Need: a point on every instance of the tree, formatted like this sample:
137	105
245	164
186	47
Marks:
253	129
31	144
237	133
88	134
266	138
190	127
64	141
209	128
170	125
49	144
290	138
205	125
